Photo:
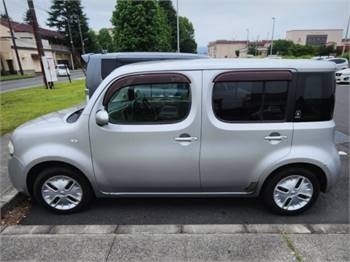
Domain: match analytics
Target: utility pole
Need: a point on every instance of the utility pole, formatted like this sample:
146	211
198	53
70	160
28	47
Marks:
81	36
13	39
346	35
273	31
177	26
39	44
71	43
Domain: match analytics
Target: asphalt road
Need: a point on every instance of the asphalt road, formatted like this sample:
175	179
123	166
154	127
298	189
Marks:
332	207
11	85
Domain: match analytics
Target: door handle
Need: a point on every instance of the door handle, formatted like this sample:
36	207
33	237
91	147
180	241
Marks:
186	139
274	138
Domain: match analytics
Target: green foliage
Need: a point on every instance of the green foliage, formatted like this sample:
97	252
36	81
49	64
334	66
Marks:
64	11
346	55
93	43
170	19
150	26
281	47
237	52
105	40
28	17
325	50
187	42
301	50
138	26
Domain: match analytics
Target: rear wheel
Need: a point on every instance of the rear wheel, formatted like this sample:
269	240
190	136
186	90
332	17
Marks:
62	190
291	191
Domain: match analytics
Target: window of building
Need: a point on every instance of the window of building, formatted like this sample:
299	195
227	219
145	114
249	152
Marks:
250	100
316	39
315	96
150	103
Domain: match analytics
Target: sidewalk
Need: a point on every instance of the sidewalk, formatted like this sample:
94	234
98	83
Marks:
176	243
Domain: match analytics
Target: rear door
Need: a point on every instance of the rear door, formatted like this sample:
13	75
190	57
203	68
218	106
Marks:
245	127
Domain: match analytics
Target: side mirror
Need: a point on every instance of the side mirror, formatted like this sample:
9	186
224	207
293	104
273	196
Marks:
102	117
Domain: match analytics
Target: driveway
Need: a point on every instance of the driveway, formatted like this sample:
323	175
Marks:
6	86
332	207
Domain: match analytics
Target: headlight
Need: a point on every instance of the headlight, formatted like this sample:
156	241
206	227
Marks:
11	148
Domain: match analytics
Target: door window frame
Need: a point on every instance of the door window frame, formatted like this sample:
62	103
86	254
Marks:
148	79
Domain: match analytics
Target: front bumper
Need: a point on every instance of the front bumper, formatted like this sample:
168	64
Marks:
17	175
342	79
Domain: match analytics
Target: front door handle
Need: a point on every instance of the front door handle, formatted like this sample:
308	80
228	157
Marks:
186	139
274	138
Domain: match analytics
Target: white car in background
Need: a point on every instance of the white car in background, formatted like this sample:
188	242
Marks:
343	76
340	63
62	70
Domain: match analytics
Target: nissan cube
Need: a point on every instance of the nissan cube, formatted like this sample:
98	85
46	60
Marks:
203	127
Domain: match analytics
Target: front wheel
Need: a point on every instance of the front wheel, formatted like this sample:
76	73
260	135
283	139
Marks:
291	191
62	190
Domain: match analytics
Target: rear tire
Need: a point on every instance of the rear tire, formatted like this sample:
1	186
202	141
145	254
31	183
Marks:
291	191
62	190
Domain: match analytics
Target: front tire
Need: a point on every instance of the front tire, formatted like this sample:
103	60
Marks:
62	190
291	191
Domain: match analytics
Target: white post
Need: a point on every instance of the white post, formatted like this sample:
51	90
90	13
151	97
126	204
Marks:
177	26
273	31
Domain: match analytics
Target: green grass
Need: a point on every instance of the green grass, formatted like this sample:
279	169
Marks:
17	107
15	77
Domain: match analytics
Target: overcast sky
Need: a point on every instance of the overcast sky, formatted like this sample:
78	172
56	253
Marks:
223	19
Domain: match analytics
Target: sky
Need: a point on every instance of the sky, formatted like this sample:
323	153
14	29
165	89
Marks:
222	19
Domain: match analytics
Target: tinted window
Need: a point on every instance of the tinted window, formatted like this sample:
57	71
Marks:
150	103
315	96
250	101
337	61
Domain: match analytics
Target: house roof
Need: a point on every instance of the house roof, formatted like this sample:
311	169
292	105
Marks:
21	27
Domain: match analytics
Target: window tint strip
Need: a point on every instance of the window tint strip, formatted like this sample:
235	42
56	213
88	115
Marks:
273	75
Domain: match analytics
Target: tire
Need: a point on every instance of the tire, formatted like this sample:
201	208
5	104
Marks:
67	190
308	189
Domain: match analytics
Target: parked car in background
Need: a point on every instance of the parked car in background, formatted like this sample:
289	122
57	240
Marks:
99	66
343	76
341	63
62	70
201	127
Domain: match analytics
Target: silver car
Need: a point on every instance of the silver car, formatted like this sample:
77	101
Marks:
205	127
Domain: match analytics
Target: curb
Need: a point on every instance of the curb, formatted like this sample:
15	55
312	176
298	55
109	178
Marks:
176	229
9	200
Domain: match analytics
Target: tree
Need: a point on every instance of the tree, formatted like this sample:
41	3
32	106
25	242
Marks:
281	47
237	53
170	18
28	17
139	26
4	16
105	40
93	43
187	42
63	12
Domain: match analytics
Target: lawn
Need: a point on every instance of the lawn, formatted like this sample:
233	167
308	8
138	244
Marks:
22	105
15	77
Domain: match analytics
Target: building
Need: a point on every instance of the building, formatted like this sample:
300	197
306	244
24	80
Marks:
228	48
52	43
316	37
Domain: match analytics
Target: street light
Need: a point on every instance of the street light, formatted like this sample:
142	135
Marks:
273	31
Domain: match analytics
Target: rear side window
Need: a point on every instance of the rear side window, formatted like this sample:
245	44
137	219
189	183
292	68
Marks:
315	96
238	101
337	61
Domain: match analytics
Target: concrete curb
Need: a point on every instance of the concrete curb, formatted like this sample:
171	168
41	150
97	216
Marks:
10	199
177	229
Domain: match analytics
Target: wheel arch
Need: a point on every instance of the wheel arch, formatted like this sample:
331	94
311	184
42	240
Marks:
320	174
33	172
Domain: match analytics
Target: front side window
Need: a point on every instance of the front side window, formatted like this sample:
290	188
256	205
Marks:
315	96
150	104
250	100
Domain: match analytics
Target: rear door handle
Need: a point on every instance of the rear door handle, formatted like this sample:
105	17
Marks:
274	138
186	139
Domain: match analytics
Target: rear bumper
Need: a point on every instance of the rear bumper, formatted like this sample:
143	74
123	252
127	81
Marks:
17	175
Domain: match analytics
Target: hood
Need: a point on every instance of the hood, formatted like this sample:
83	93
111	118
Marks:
51	118
344	71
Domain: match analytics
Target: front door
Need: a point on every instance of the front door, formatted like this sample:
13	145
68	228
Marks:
152	141
245	127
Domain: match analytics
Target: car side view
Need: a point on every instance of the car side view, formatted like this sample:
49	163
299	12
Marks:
202	127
